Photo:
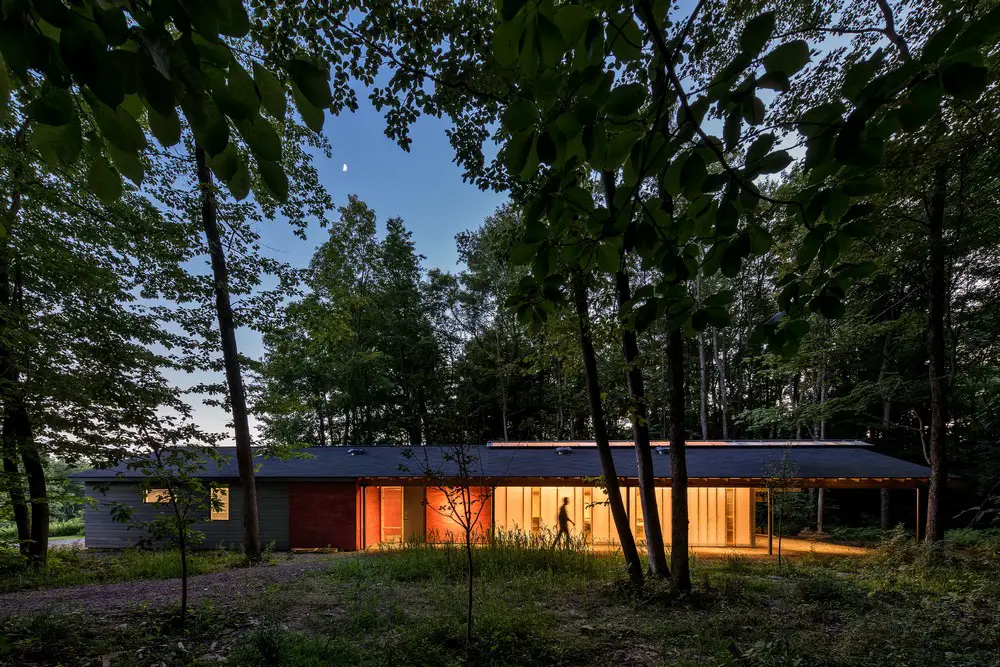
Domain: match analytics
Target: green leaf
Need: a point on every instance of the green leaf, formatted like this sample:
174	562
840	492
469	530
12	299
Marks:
732	130
546	148
775	81
863	186
507	41
760	240
4	89
964	79
313	81
516	151
859	75
828	305
625	38
523	253
760	147
53	107
753	111
938	43
757	33
272	94
118	127
720	299
312	115
226	164
510	8
773	163
128	164
608	258
233	19
829	252
520	115
693	174
572	21
922	104
104	181
59	146
210	128
167	130
550	41
261	138
788	58
239	184
810	246
238	98
274	178
672	177
620	148
625	100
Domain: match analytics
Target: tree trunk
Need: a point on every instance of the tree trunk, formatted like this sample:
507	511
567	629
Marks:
703	374
638	414
231	360
679	565
640	431
937	288
468	609
720	365
182	545
18	438
822	405
625	537
795	404
14	485
819	511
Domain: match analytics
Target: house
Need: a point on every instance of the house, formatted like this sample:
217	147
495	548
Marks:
351	498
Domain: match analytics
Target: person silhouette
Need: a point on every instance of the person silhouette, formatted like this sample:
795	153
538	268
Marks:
564	522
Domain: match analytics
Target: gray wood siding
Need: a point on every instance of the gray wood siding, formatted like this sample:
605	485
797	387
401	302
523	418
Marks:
102	532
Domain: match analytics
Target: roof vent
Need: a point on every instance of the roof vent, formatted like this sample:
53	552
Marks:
355	451
563	451
662	450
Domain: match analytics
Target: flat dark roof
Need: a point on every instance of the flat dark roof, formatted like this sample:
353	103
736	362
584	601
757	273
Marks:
506	465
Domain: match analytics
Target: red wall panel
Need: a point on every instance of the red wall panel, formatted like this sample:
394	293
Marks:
442	527
373	517
322	514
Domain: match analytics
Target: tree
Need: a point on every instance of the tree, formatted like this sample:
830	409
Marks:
450	471
607	108
174	474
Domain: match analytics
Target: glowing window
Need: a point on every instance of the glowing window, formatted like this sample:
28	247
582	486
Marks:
536	510
220	503
157	497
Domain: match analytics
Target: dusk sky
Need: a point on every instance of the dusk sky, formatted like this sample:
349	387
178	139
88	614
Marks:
423	187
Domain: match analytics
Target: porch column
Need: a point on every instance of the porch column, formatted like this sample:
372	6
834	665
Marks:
819	511
885	520
918	514
770	522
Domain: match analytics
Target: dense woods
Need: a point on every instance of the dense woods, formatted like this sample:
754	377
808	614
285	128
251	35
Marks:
725	221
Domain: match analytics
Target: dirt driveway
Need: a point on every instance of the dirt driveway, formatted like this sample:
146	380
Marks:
102	599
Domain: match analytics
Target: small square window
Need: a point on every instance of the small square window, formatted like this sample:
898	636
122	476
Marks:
157	497
220	503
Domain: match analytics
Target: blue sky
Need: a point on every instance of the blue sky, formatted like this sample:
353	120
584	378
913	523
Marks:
423	187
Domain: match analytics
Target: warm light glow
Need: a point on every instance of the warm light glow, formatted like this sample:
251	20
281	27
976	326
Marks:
220	503
157	497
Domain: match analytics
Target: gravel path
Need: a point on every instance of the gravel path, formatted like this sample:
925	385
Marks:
102	599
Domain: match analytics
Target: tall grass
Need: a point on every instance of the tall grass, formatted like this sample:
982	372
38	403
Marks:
68	528
506	554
